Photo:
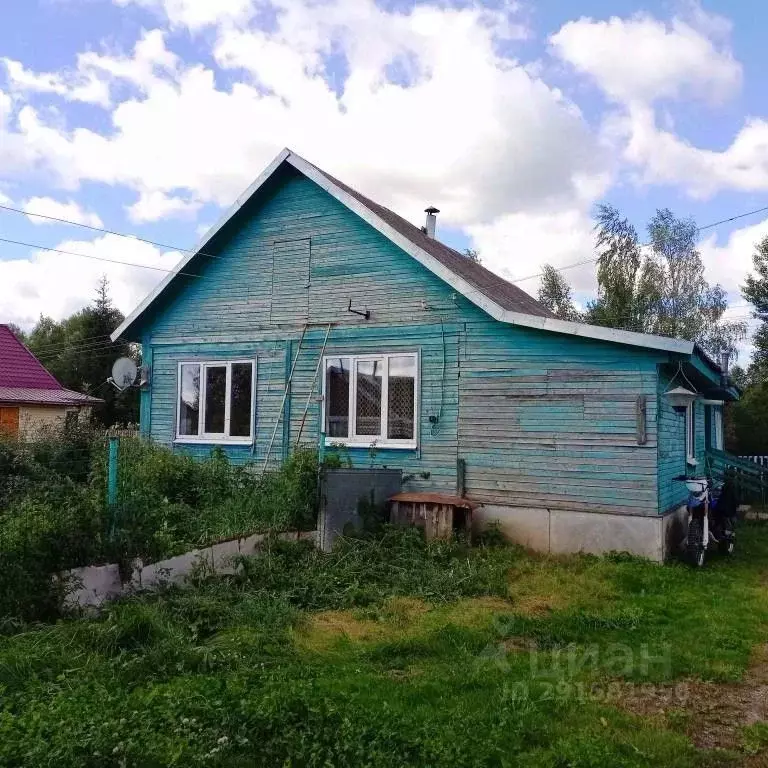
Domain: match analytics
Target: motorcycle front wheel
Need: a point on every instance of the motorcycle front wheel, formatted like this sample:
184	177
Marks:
696	551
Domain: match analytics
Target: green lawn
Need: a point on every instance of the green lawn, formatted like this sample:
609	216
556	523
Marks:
390	653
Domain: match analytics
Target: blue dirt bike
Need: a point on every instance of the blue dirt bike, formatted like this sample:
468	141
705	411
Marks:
711	518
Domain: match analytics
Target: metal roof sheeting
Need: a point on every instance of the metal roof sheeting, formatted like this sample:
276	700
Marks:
19	367
32	396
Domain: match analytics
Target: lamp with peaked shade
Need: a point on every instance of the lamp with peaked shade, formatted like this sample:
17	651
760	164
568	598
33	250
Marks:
680	397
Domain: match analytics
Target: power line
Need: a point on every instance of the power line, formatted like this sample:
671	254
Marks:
646	245
95	258
158	244
76	350
128	235
102	337
732	218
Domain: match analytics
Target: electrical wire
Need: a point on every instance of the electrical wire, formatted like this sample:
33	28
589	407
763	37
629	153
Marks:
102	337
132	236
53	351
75	347
128	235
647	245
95	258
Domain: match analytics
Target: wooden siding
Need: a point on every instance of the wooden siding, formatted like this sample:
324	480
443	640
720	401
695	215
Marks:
546	421
540	419
672	452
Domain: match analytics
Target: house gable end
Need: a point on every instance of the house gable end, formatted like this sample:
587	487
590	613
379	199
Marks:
295	255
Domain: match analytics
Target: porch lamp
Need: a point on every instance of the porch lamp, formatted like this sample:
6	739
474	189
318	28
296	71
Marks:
680	398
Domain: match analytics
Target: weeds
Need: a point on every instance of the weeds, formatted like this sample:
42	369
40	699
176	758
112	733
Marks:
54	516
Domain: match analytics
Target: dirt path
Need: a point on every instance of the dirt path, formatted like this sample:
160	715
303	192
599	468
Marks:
714	713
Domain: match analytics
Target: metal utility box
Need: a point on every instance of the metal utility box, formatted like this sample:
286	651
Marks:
348	495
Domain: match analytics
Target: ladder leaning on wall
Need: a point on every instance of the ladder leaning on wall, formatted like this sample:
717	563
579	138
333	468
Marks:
288	389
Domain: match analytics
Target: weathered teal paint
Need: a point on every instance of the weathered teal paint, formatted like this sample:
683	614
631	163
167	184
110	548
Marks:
145	403
112	473
672	460
539	419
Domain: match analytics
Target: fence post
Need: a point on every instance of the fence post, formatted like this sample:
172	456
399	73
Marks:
112	474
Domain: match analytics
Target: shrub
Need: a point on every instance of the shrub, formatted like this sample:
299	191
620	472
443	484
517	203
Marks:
169	503
47	530
54	515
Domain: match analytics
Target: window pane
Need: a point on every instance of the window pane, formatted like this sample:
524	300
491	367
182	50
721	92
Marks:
189	407
368	405
337	397
215	392
402	391
240	400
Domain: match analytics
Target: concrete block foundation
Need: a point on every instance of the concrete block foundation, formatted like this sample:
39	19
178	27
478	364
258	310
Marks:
655	537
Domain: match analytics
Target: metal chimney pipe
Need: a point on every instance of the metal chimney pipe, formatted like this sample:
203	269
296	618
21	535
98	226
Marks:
725	357
431	220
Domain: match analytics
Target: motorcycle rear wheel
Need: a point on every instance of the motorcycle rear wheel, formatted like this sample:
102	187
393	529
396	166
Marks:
726	547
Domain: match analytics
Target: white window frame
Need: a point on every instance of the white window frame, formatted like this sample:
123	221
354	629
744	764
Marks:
353	440
215	437
690	432
717	424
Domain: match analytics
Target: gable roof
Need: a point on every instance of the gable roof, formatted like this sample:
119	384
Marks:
499	298
19	367
24	379
502	292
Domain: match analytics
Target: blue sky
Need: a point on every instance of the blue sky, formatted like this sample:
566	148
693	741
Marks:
514	118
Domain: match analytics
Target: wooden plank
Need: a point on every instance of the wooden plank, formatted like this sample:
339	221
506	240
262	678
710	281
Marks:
9	420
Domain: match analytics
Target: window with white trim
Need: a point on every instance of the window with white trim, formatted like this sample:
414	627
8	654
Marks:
690	431
371	398
717	423
215	401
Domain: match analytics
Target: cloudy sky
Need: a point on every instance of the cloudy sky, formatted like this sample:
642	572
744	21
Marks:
514	118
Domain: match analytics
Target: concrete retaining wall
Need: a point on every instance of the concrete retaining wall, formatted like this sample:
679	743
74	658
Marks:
561	532
92	586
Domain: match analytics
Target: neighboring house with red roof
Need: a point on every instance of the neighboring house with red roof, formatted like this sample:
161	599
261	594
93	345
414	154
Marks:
30	397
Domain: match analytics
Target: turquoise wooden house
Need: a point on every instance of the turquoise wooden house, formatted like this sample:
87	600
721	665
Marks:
311	315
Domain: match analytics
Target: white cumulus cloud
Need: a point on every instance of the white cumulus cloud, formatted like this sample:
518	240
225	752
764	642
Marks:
74	86
663	157
644	59
155	205
69	211
641	61
58	284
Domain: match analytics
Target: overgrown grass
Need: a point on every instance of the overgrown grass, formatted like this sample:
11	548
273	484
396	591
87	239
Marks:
169	503
54	514
388	652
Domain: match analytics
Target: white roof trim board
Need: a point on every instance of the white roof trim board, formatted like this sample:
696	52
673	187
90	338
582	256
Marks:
427	260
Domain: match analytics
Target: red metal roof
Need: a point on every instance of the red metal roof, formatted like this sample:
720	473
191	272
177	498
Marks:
31	396
24	379
19	367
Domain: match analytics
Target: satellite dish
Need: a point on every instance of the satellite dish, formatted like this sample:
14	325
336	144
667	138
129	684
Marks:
124	372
